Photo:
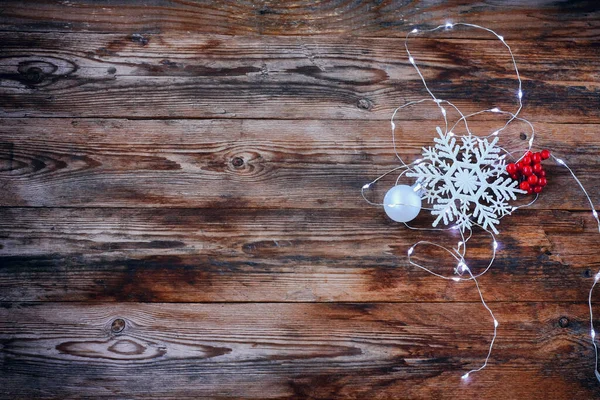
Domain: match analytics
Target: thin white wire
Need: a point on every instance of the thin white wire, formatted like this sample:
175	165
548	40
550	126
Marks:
592	331
459	253
465	376
564	164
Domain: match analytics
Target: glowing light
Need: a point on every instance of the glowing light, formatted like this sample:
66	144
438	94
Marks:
465	376
450	133
495	133
495	110
501	38
412	60
410	251
460	244
449	25
414	30
520	94
495	245
561	162
455	279
444	111
368	185
597	277
595	214
393	125
593	334
496	323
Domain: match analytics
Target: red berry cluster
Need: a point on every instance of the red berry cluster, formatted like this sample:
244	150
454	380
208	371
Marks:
529	171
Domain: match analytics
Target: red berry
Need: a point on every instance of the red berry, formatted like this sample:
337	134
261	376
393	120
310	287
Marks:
545	154
526	160
514	176
537	168
519	165
527	170
536	158
528	153
542	182
542	174
529	191
537	189
532	179
524	185
511	168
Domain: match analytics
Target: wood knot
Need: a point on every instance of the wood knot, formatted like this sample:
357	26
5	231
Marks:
237	162
117	325
34	75
563	322
523	136
365	104
137	38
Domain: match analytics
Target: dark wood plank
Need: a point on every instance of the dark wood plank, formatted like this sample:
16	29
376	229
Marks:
243	163
199	76
208	255
323	351
533	19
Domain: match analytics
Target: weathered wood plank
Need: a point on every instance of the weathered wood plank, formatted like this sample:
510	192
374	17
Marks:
243	163
189	255
198	76
532	19
373	351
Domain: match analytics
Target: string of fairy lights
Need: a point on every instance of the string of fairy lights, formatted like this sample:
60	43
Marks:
462	272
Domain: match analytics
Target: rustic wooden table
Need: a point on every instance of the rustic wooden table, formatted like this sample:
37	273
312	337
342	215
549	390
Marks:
181	213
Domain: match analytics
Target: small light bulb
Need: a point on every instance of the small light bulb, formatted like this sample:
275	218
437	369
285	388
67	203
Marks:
496	323
460	244
495	245
366	186
501	38
455	227
410	251
495	133
438	101
450	133
520	94
393	125
495	109
444	111
418	160
595	214
593	334
449	25
414	30
465	376
455	279
558	160
597	277
412	60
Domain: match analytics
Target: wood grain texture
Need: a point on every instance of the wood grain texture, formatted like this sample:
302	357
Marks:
309	164
533	19
207	255
200	76
180	210
304	351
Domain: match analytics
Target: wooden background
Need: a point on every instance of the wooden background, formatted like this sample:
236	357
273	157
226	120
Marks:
180	210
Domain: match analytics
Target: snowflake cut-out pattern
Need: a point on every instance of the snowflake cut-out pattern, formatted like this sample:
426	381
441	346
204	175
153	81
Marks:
465	182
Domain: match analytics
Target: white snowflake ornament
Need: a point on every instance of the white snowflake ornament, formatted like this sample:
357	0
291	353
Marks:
465	182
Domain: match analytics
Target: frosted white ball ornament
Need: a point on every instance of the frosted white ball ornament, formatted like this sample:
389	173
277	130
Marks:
402	203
